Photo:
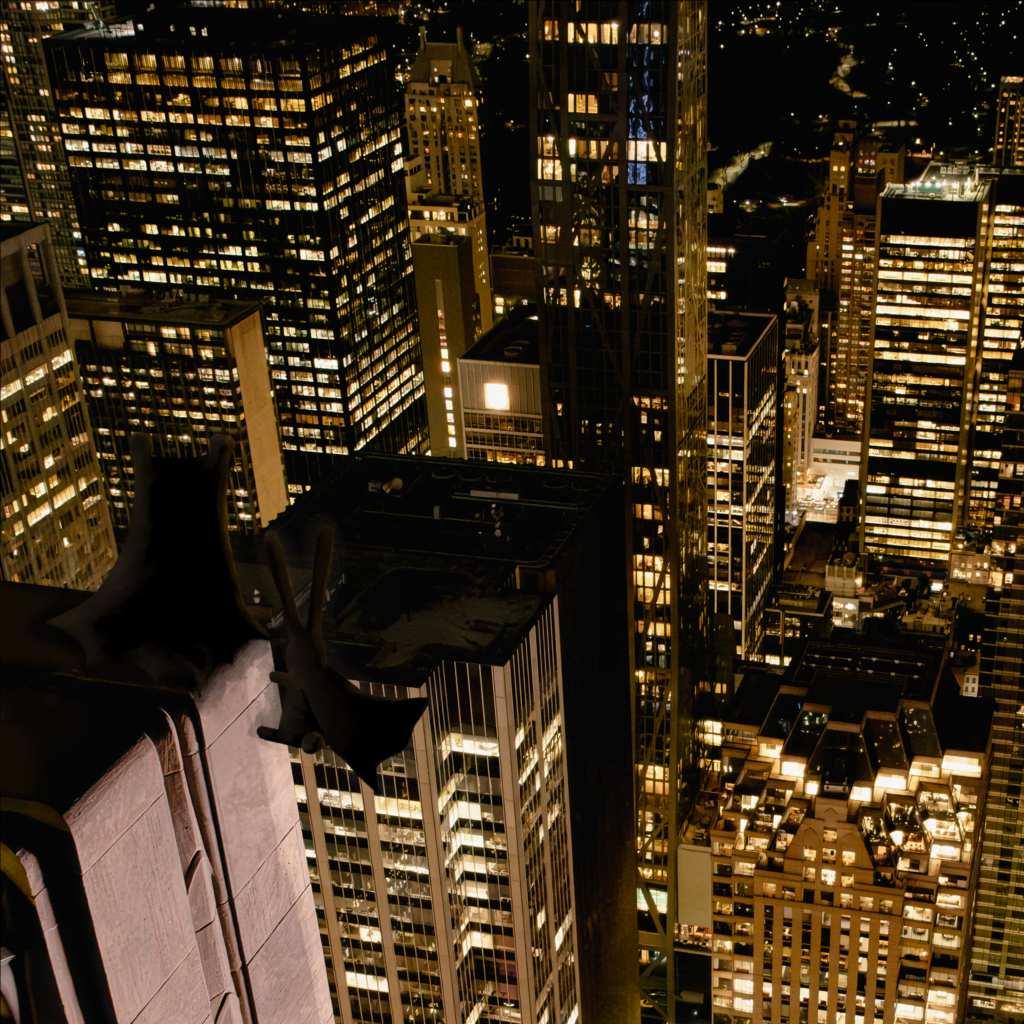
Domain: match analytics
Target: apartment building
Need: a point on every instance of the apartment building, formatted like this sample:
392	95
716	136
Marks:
846	849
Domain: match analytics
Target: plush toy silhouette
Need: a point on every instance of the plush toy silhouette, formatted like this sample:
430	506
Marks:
171	603
172	607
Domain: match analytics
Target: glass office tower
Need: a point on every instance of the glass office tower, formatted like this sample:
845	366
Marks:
743	364
258	157
618	101
56	529
946	326
997	953
36	187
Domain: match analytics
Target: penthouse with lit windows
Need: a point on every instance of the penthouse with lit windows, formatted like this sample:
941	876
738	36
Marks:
847	843
258	155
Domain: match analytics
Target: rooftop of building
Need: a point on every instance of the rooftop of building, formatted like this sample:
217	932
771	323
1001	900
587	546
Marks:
811	553
394	616
442	238
206	29
846	683
450	61
511	515
159	307
735	335
801	286
951	182
426	571
513	339
800	597
1011	83
432	200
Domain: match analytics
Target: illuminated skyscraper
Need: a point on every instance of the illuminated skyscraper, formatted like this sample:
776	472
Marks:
743	381
56	526
258	155
445	173
846	847
1008	150
179	372
618	100
34	167
947	323
446	201
489	878
841	262
997	954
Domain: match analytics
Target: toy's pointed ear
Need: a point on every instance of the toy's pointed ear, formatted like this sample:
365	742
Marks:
141	450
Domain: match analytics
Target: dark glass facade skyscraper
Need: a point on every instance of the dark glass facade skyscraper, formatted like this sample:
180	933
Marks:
618	101
258	156
997	953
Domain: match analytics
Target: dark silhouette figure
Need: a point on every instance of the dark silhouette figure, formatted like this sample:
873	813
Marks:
172	607
319	705
171	604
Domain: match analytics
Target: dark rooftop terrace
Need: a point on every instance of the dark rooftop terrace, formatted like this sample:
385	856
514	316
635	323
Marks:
514	339
519	516
156	308
734	335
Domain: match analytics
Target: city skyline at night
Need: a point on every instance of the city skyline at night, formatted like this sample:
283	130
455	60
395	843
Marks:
639	383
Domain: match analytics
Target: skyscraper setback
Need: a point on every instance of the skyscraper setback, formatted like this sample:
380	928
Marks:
619	191
261	157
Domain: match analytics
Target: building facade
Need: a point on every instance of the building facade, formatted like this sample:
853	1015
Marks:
841	262
465	911
33	162
743	361
490	878
846	848
618	118
444	177
258	159
946	326
446	300
56	521
179	372
997	969
502	407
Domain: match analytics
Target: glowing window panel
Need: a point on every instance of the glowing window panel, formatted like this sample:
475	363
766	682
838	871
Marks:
496	396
